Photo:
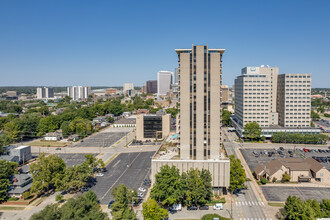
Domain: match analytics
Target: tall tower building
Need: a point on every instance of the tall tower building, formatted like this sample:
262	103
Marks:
255	96
79	92
45	92
200	70
294	100
164	82
152	86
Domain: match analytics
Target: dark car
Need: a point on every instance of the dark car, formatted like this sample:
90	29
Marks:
281	148
192	207
110	203
58	148
204	207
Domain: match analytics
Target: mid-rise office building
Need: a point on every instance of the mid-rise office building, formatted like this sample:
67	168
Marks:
45	93
79	92
278	103
199	118
11	93
150	127
152	86
164	82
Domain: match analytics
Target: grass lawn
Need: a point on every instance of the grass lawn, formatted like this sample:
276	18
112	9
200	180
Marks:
276	204
11	208
48	143
213	202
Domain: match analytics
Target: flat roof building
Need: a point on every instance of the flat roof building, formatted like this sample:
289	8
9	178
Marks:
152	126
164	82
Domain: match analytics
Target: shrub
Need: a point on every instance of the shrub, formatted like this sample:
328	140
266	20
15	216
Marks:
26	195
263	181
12	199
211	216
327	115
59	197
285	178
274	179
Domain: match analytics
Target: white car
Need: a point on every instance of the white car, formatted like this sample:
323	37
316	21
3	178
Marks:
142	189
100	174
177	207
218	206
140	195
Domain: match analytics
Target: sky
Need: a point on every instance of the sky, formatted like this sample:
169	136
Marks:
108	43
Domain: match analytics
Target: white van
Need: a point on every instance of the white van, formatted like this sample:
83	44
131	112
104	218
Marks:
218	206
177	207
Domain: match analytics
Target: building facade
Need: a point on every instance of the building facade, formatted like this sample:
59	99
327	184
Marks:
128	87
78	92
45	93
164	82
294	100
151	86
152	127
278	103
200	70
224	93
199	117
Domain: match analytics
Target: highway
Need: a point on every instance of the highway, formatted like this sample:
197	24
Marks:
249	203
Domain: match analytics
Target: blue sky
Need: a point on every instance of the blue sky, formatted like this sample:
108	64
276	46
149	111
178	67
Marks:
107	43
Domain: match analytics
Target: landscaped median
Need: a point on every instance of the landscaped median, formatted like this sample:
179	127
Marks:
48	143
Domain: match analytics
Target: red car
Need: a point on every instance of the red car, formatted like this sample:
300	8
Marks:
305	149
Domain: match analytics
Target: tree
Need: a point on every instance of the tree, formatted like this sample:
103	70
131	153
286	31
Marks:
94	163
237	174
48	124
7	169
226	117
151	210
169	187
83	207
76	177
172	111
59	197
263	180
195	188
26	195
66	130
47	173
110	119
4	141
123	196
314	115
252	130
285	178
11	129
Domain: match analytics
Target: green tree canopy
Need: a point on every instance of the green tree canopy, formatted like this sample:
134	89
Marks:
237	174
226	117
123	196
252	131
7	169
151	210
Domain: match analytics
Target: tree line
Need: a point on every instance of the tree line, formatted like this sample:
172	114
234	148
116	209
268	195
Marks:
297	138
50	172
297	209
7	169
189	188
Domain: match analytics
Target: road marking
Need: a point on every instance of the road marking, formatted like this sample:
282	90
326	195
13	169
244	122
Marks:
262	203
116	163
249	203
252	203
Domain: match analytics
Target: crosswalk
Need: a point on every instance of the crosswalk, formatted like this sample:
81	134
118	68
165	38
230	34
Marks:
255	219
249	203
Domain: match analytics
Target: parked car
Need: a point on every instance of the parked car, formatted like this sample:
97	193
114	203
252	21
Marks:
281	148
192	207
99	174
177	207
218	206
204	207
142	189
140	195
110	203
58	148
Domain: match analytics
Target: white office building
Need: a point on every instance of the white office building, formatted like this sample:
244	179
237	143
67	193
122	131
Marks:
164	82
45	93
79	92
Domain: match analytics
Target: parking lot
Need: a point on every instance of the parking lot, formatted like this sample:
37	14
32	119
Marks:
127	168
261	159
73	159
105	138
280	193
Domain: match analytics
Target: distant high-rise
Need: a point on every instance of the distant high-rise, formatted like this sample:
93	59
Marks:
79	92
176	76
164	82
45	93
127	87
152	86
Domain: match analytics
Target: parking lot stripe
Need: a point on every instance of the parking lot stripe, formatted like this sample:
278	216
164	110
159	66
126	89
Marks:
117	163
120	177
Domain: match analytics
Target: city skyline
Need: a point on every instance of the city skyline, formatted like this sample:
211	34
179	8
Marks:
46	44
